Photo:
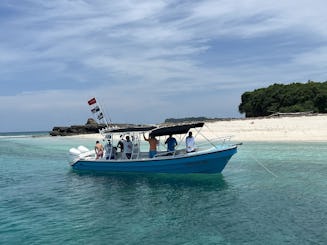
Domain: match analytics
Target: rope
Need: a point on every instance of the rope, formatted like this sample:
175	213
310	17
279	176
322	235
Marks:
268	170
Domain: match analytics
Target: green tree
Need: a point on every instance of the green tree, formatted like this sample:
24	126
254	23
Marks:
294	97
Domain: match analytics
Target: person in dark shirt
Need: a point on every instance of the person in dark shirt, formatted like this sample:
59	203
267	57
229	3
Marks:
171	143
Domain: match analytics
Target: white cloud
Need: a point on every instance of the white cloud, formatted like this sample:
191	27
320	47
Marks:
149	51
314	57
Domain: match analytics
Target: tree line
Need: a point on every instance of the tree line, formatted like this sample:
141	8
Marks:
294	97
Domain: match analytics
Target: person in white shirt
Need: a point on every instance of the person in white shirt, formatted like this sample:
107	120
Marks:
190	143
128	145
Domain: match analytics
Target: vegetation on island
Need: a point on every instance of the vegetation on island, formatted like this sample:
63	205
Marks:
280	98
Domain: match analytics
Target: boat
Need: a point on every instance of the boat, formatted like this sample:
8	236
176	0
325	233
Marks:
209	155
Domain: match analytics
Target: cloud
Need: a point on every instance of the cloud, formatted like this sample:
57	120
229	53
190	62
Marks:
144	56
252	18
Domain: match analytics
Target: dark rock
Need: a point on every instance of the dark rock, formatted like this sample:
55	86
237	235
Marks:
91	121
90	127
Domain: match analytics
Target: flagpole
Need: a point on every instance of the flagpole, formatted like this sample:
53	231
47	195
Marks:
104	116
97	110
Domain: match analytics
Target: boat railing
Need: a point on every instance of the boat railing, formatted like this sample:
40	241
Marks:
201	145
217	143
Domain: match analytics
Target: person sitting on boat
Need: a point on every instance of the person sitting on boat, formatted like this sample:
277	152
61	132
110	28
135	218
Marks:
153	142
190	143
128	145
171	143
120	144
113	153
98	150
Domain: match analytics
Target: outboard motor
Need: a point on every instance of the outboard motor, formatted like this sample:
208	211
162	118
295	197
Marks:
81	153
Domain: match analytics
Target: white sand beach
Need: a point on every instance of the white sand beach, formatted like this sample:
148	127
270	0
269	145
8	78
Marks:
299	128
302	128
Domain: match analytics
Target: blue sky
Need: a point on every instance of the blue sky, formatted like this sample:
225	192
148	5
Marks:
146	61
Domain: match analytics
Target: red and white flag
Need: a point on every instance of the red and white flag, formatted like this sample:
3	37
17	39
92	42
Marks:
92	101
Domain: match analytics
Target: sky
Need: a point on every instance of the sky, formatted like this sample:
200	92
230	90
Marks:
147	60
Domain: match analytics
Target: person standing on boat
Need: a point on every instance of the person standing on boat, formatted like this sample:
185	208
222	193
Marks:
128	145
98	150
171	143
110	150
120	144
153	142
190	143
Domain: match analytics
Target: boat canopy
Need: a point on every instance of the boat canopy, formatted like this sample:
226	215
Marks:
131	129
176	129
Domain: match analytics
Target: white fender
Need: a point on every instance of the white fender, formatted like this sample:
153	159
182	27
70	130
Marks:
74	151
82	149
87	154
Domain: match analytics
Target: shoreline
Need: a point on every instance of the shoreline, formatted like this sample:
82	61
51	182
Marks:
307	128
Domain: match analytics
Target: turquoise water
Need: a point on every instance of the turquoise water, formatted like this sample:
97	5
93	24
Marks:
269	193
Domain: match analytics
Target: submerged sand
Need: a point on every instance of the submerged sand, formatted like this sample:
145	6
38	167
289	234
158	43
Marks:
299	128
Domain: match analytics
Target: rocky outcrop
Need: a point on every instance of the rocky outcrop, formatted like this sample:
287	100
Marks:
91	127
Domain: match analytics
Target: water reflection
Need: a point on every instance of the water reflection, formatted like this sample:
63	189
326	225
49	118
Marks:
203	181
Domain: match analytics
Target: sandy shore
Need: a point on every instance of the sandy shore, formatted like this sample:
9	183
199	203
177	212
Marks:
305	128
301	128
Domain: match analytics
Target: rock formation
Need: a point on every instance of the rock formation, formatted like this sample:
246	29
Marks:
91	127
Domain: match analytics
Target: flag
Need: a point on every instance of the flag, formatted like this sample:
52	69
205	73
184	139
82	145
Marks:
100	116
92	101
95	109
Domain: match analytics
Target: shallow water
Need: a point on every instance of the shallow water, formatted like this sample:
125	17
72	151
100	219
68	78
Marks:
269	193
